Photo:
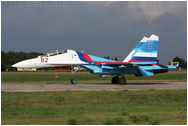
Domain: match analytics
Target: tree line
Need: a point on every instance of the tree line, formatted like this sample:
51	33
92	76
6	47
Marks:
182	62
10	58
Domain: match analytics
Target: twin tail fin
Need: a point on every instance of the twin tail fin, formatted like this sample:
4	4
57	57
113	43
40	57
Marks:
145	51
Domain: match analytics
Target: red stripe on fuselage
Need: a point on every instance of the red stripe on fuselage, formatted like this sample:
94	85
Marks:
154	64
112	63
101	63
87	57
140	61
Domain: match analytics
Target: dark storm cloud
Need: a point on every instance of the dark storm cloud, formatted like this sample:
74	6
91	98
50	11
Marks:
100	28
173	36
168	22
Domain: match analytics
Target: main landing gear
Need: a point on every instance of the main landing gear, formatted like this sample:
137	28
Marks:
117	80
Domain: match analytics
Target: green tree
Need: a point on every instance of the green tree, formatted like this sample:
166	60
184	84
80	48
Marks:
10	58
182	62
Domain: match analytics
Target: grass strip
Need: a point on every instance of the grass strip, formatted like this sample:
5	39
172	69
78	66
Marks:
105	107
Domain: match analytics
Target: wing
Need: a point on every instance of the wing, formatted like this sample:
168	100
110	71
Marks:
126	63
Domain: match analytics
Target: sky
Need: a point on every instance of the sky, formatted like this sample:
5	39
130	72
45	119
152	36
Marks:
99	28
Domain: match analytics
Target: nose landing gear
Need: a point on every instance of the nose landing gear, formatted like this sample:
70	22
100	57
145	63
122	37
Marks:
73	79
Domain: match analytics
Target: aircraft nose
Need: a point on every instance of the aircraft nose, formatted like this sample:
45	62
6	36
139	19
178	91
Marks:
18	65
31	63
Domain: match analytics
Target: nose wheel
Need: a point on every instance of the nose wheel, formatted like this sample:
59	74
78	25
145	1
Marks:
73	80
117	80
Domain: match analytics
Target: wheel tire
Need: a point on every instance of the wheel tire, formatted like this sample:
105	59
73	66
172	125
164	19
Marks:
73	81
122	81
115	80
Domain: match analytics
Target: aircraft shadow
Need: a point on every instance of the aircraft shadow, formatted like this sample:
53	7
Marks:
149	83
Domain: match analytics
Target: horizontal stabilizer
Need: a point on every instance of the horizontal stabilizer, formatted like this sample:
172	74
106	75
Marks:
145	72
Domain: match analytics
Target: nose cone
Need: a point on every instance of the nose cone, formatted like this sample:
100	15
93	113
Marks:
31	63
17	65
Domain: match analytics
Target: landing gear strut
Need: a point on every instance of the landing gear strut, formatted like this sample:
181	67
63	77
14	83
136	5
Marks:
73	79
117	80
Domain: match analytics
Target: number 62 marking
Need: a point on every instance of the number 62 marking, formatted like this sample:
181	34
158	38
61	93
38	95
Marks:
44	60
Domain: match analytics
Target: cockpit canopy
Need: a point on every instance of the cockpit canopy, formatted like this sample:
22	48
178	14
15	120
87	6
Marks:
56	52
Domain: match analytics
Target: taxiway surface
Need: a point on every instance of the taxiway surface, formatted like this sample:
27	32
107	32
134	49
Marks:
42	87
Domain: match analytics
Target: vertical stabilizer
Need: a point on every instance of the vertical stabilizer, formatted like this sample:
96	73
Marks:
132	53
145	51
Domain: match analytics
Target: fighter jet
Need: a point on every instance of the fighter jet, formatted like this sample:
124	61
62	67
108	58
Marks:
142	61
